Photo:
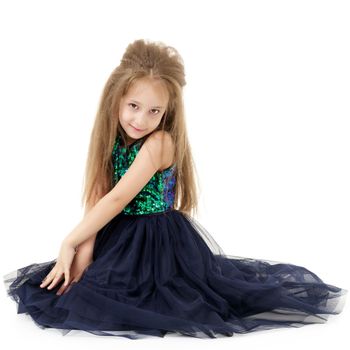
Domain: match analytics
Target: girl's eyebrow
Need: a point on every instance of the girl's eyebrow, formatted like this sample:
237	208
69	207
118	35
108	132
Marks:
141	104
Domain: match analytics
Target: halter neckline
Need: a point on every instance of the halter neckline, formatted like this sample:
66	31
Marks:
131	144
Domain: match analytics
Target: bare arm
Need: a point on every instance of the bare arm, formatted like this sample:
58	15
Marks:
104	210
86	247
146	163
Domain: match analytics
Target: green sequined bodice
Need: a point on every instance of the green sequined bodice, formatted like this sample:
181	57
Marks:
157	195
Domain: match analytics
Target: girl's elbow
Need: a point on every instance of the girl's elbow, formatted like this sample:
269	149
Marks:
118	203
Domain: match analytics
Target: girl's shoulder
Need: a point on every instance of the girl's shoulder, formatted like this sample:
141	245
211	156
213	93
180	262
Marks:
159	142
163	141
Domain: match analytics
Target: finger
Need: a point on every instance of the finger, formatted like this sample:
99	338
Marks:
43	282
46	281
69	286
66	277
54	282
48	277
63	288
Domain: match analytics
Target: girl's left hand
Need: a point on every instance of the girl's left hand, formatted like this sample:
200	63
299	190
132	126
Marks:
61	268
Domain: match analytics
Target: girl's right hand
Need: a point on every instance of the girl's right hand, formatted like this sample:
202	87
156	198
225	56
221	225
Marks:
78	267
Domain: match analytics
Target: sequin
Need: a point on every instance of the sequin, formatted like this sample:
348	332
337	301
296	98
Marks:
157	195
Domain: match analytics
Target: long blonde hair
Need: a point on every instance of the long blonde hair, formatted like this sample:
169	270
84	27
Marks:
142	58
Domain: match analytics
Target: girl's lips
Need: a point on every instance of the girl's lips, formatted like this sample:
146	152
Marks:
136	128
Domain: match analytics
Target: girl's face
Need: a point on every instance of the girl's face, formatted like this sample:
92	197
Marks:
142	108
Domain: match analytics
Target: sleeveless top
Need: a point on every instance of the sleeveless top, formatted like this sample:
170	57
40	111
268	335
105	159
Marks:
157	195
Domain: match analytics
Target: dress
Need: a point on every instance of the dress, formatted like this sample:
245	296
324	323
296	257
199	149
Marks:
156	270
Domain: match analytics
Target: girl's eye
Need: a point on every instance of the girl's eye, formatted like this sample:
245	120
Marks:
132	104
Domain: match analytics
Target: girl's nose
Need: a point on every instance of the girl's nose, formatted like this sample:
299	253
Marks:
139	124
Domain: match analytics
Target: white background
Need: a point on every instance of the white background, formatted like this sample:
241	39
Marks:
267	108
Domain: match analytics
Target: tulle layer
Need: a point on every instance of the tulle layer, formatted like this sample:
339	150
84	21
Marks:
158	274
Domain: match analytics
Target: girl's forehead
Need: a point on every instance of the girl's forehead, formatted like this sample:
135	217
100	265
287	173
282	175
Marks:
153	94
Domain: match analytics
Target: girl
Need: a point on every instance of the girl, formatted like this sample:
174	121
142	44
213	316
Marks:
139	264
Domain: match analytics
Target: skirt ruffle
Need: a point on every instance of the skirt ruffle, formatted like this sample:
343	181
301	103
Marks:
164	273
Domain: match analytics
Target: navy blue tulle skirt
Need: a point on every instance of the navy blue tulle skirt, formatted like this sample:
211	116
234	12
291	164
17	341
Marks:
163	273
